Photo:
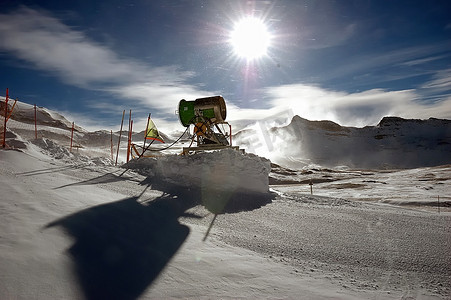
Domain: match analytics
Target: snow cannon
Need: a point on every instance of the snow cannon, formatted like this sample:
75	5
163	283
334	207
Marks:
207	115
212	109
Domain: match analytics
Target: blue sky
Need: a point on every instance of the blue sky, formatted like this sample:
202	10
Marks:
352	62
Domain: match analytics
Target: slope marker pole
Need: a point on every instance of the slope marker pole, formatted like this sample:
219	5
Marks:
438	203
112	155
129	148
12	109
35	124
128	134
311	187
6	113
120	134
71	137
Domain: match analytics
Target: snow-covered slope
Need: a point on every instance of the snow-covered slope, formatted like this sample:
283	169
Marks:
74	227
393	143
79	231
226	170
52	125
24	113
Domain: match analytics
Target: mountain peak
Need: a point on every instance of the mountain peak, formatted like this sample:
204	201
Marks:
391	120
323	124
394	143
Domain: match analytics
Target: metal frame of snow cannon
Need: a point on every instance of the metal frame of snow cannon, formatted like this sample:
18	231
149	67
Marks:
206	114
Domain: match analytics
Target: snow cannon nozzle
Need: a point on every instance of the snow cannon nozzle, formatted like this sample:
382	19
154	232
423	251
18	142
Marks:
211	109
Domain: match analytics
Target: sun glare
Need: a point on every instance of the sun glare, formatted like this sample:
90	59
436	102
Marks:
250	38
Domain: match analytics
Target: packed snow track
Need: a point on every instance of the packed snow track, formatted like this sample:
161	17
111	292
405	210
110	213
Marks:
64	223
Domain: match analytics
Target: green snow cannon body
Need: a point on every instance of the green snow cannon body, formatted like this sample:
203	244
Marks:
212	109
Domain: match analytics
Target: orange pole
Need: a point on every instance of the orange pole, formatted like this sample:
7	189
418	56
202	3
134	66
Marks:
12	109
6	113
120	134
136	151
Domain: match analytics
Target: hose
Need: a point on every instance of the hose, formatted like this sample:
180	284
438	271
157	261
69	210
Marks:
157	150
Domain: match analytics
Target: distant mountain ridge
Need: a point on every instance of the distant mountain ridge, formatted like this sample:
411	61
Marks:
393	143
24	113
55	126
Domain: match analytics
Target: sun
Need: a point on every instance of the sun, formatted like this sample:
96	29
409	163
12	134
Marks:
250	38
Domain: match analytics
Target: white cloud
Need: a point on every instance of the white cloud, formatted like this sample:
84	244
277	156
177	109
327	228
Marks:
355	109
348	109
139	123
441	81
420	61
49	45
157	95
407	57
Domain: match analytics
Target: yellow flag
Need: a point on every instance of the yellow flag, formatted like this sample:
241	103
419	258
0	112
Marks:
152	132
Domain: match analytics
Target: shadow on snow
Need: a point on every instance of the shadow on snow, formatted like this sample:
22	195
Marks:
121	247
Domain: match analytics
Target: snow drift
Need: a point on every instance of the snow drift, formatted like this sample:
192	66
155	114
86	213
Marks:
223	170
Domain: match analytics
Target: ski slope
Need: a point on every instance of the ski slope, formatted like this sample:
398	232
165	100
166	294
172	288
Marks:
73	226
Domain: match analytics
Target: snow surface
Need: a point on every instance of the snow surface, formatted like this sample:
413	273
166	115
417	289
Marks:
73	226
420	187
71	231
